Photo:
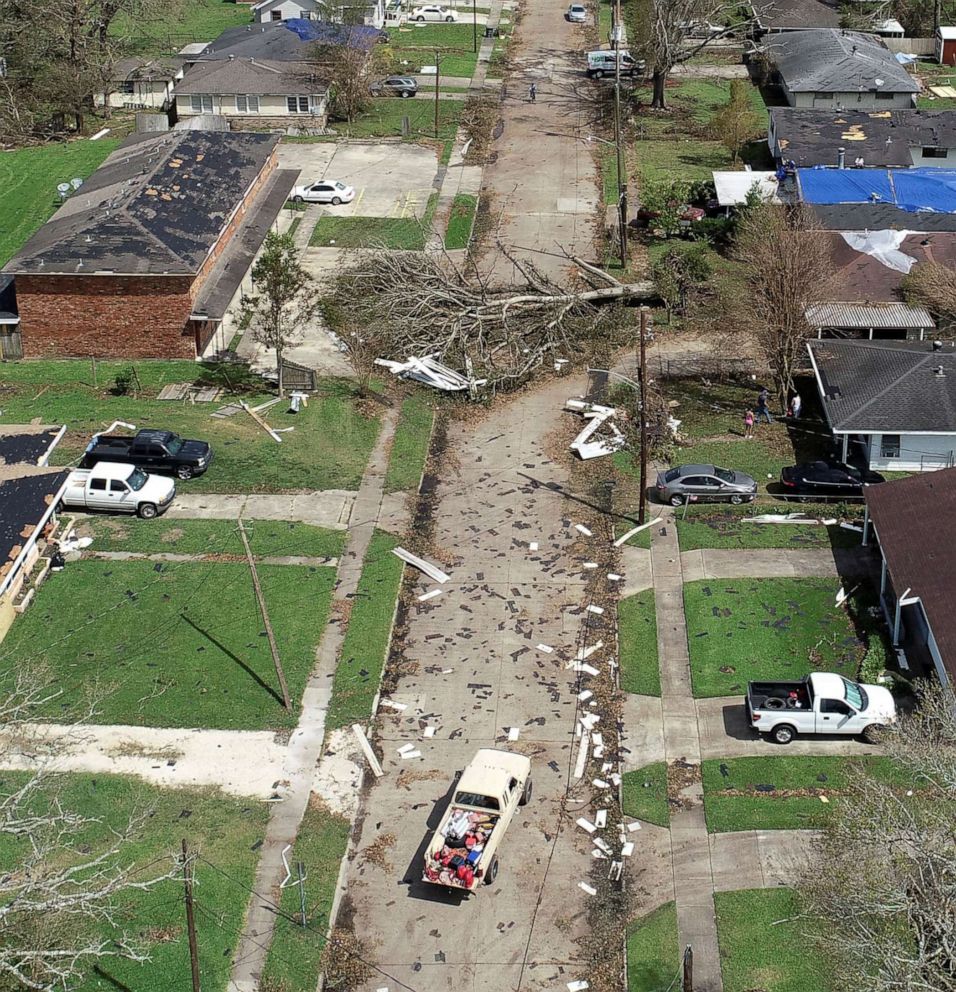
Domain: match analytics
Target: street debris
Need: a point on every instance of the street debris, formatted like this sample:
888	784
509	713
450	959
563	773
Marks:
533	546
601	436
367	750
586	824
589	889
392	705
423	566
514	733
595	609
582	530
624	538
545	648
255	416
429	595
430	372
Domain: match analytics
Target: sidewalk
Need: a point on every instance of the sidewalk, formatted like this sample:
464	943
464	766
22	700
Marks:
305	745
330	508
729	563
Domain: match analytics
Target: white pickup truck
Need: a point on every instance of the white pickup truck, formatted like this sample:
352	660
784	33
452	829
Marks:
820	703
464	849
119	489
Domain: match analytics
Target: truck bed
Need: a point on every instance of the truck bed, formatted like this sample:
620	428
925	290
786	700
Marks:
462	838
759	692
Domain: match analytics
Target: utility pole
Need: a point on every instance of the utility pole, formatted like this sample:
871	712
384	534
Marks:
642	382
273	647
300	871
688	984
474	24
621	179
437	75
190	918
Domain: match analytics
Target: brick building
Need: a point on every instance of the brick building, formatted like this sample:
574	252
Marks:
145	258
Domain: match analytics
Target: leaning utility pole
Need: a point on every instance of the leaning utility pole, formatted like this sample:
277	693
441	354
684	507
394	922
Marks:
190	918
642	383
617	32
273	647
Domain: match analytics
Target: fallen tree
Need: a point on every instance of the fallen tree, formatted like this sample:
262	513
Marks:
429	305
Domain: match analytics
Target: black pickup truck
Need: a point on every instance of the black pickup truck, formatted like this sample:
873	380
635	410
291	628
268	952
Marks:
157	451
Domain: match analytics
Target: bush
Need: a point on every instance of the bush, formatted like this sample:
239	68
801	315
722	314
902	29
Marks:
874	661
123	383
716	230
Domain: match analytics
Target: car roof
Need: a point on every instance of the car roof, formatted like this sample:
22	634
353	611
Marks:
489	766
111	470
695	469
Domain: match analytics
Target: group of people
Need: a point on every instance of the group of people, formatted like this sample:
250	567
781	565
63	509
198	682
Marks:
763	411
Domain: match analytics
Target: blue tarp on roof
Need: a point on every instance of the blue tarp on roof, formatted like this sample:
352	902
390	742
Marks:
912	190
355	36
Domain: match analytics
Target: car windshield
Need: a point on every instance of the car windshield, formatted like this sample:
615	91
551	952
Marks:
175	445
672	475
339	185
854	694
724	474
136	479
476	799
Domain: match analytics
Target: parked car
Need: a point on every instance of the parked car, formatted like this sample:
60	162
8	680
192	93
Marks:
820	703
158	451
403	86
434	12
119	488
463	851
577	13
818	480
602	63
705	483
324	191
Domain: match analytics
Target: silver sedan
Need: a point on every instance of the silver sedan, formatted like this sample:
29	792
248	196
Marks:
705	484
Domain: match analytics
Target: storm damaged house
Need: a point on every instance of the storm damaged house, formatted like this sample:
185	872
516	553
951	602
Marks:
144	259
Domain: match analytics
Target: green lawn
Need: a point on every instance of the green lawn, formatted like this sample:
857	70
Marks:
718	526
28	181
765	629
384	118
637	633
653	951
327	448
642	539
198	20
359	670
783	793
173	645
396	233
406	461
416	43
692	159
758	950
609	180
225	832
295	954
761	457
194	537
645	794
461	220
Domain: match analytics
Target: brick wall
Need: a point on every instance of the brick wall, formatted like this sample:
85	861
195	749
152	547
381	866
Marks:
106	316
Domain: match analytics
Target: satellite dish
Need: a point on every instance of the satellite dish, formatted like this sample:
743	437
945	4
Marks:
76	183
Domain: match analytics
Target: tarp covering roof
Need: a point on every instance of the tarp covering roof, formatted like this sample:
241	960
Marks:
733	187
912	190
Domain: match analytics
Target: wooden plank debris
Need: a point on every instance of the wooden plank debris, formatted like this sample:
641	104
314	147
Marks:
367	750
432	571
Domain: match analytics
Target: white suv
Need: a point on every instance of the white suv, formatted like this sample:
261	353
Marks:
434	12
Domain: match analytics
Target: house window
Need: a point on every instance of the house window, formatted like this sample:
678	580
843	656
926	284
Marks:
890	446
822	96
297	104
201	103
935	152
127	86
275	15
247	104
885	96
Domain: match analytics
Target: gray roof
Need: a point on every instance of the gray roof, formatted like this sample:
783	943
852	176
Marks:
886	386
879	137
251	76
164	68
863	316
880	217
278	41
827	60
791	15
156	206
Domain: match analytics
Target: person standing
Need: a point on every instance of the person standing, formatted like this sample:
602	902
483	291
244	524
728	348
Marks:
533	93
796	405
749	423
763	409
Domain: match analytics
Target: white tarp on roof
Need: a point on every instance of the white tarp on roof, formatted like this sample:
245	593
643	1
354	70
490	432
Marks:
732	187
884	246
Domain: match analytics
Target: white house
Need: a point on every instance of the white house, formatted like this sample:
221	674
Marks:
254	95
142	84
369	12
893	403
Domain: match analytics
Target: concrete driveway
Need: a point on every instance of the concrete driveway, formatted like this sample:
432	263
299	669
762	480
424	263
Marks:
392	179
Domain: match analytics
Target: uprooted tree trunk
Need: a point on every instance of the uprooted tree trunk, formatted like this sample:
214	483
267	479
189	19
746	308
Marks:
428	305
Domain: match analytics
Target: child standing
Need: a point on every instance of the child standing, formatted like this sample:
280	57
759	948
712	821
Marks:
749	423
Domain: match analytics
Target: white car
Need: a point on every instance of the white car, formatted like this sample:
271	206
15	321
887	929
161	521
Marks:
323	191
434	12
577	13
119	488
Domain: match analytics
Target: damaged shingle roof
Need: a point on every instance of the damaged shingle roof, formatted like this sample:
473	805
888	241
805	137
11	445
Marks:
886	386
827	60
252	77
156	206
779	15
291	40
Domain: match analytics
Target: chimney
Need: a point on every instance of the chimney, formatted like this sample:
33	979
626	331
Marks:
937	345
841	158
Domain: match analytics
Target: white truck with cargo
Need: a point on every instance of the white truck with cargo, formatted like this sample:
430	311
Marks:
463	851
820	703
118	488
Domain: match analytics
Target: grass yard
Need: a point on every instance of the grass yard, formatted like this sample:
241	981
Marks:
761	457
739	630
406	460
198	20
609	177
762	945
637	633
461	221
295	954
195	537
384	119
693	159
653	951
645	794
28	181
783	793
224	831
173	645
395	233
718	526
328	448
359	670
642	539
